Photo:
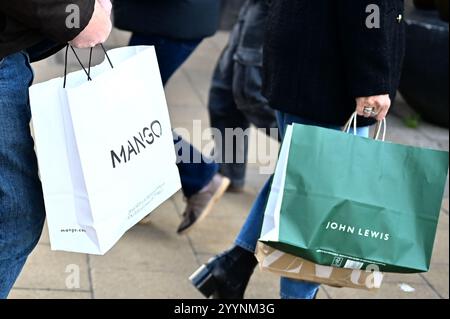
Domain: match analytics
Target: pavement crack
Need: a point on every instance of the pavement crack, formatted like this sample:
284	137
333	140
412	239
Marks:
431	286
326	292
191	244
91	282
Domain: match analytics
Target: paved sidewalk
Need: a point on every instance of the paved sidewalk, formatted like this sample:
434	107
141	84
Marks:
151	261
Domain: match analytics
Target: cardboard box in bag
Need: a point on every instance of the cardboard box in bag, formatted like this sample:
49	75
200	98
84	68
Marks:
290	266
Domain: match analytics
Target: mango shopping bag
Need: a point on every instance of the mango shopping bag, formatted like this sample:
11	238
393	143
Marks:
105	150
351	202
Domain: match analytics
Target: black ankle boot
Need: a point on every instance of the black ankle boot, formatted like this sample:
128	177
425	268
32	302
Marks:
225	276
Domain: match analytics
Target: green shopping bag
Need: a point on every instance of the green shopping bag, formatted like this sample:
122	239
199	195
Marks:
351	202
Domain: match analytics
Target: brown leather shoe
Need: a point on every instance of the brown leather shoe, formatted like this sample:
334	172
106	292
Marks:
201	204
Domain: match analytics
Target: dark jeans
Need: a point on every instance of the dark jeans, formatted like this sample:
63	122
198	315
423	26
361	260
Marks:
171	55
236	99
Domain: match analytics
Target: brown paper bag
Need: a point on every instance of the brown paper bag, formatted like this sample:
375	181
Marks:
289	266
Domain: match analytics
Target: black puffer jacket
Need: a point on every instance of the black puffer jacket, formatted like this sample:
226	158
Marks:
178	19
319	55
25	23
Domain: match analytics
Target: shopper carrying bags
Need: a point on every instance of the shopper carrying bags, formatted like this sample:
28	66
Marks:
322	61
24	24
235	97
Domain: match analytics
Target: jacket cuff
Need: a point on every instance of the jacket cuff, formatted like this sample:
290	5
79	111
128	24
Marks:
373	91
370	87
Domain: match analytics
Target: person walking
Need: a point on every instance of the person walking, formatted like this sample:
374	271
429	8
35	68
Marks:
235	99
322	60
176	28
24	25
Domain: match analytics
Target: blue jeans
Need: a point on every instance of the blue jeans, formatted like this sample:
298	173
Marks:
22	211
171	55
251	231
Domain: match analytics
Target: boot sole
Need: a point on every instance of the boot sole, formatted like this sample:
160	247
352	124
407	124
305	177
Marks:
204	281
214	200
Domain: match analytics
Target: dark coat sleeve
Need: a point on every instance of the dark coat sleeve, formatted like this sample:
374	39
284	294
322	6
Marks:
368	52
49	16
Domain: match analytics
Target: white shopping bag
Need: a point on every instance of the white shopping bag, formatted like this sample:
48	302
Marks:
105	150
271	225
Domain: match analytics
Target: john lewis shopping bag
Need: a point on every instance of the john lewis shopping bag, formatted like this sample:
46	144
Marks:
105	150
350	202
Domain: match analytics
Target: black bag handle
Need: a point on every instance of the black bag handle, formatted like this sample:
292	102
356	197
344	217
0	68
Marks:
88	71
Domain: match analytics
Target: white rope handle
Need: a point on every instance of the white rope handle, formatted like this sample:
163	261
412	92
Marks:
381	127
351	121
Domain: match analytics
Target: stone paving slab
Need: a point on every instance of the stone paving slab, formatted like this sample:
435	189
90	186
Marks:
438	279
388	291
48	294
46	269
137	284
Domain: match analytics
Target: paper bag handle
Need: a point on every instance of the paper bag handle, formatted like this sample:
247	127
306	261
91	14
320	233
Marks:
88	71
381	127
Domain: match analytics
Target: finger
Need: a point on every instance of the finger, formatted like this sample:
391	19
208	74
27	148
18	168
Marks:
360	109
376	111
378	104
82	45
384	110
367	114
377	107
383	113
362	105
388	103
